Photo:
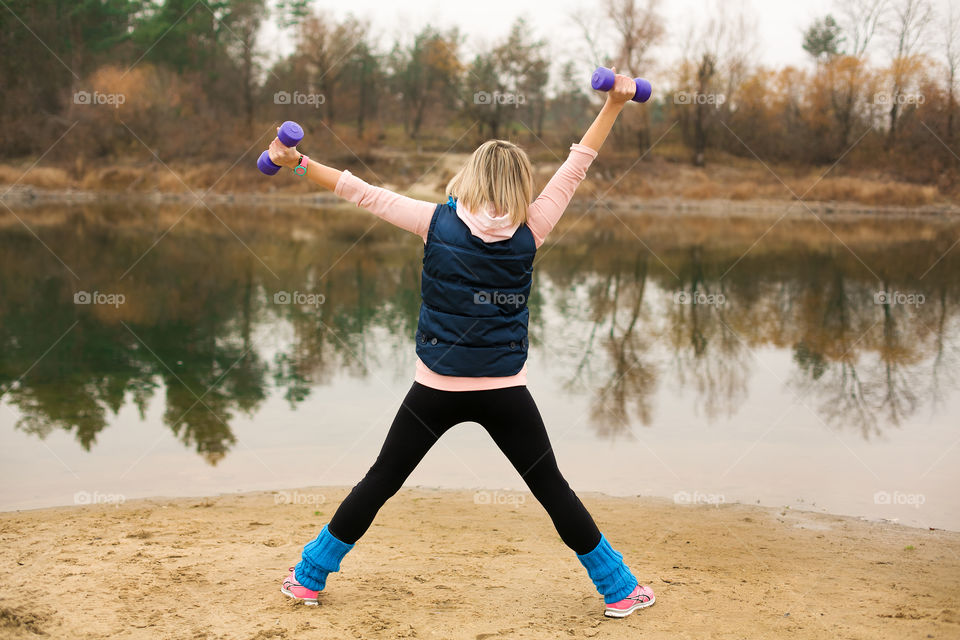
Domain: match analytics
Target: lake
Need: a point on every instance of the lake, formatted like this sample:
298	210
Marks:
175	350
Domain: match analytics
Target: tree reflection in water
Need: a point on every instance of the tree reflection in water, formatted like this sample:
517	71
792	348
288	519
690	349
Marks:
622	321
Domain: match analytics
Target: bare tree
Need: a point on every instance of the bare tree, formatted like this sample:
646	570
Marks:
860	20
639	27
716	60
591	30
951	35
909	25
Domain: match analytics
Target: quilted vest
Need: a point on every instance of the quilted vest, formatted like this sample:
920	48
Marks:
473	314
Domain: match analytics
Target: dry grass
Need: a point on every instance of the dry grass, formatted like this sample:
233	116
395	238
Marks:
113	179
703	190
743	181
41	177
653	178
744	190
873	192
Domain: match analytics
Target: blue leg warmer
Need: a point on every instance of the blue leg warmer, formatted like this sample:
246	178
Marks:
610	575
320	557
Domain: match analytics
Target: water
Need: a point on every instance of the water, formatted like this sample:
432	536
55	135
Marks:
782	362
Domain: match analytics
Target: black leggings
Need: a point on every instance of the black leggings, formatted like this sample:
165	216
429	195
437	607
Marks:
511	418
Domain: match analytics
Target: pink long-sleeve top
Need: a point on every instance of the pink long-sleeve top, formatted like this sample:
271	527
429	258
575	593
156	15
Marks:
415	216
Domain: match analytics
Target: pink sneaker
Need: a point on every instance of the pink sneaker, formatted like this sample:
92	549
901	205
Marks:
639	598
297	591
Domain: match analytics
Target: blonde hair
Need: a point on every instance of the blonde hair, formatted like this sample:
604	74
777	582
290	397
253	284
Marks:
498	174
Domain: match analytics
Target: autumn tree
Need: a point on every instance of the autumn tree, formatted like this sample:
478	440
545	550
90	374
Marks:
568	109
508	81
838	90
425	74
366	74
243	22
49	47
324	49
715	61
523	70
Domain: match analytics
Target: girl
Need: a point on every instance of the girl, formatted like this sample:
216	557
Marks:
472	344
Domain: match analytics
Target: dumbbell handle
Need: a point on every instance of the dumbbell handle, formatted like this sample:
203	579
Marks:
603	79
290	135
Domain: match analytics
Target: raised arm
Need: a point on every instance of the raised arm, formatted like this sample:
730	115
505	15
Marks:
546	210
623	90
406	213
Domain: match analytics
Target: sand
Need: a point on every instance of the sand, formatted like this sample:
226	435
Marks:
438	564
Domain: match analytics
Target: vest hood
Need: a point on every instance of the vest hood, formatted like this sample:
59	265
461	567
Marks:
485	224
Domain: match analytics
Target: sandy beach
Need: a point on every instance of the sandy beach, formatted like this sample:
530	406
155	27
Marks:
465	564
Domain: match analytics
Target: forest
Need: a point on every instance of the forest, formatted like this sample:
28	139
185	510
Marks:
94	91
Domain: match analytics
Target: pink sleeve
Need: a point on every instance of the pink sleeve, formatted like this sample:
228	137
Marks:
406	213
546	210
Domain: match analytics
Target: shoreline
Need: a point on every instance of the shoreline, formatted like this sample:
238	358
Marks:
437	563
99	499
28	196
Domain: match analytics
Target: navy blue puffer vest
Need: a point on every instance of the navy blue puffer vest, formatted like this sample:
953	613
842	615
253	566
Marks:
473	317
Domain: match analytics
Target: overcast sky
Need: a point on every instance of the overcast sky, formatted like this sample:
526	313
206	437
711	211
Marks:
780	24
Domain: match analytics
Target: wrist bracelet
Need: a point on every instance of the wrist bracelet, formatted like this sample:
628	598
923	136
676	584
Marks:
301	168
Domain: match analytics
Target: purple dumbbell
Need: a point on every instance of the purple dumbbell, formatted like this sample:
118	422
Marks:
602	80
290	135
